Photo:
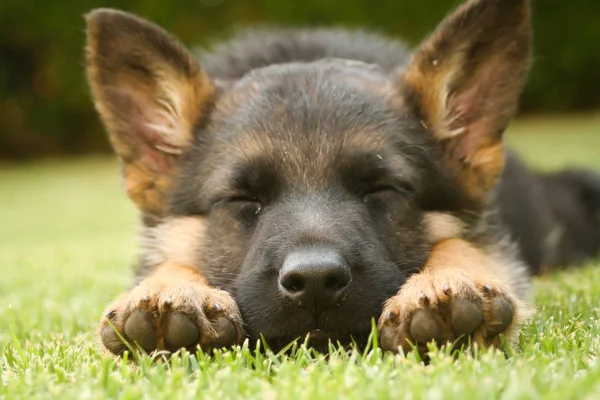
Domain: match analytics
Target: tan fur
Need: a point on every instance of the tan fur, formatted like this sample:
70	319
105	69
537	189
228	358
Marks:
431	83
147	189
174	240
441	226
455	269
479	170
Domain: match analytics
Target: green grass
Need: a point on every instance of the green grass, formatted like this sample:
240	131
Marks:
67	238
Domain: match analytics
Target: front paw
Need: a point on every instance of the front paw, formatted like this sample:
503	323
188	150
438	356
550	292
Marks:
172	315
449	308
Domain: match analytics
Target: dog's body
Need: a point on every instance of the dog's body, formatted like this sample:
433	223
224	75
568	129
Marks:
308	181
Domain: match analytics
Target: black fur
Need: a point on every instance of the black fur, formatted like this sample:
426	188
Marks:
574	200
554	217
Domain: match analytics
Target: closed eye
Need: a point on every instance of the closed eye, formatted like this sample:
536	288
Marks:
235	199
244	208
401	189
245	202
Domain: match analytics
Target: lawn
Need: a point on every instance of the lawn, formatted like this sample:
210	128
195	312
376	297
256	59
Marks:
67	241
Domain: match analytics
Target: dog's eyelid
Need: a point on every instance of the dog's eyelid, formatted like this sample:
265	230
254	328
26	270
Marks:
400	187
405	187
242	198
234	196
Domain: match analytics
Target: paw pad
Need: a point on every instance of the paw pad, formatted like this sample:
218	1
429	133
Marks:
225	333
426	326
502	314
138	328
465	316
180	332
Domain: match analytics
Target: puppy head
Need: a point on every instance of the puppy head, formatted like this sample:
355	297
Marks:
316	187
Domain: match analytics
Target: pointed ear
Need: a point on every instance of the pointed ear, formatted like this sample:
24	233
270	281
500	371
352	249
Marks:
465	80
150	93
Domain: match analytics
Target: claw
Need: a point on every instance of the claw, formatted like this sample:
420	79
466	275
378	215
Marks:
213	311
391	318
424	299
487	289
447	289
111	314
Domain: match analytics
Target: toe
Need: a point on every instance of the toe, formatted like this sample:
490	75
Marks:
226	333
112	341
387	339
425	327
502	315
465	316
138	328
180	332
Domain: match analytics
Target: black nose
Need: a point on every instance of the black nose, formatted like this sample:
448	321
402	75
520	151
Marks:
315	278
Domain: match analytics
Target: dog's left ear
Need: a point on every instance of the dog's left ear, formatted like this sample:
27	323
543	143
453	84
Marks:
465	80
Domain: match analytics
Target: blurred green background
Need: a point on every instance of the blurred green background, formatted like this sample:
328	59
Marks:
45	107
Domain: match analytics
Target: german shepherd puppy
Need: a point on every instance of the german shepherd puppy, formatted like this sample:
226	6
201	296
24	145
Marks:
298	182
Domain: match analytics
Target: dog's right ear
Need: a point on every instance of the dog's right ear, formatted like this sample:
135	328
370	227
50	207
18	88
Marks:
150	93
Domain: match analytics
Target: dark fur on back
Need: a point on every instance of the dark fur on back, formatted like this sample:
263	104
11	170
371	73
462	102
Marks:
574	200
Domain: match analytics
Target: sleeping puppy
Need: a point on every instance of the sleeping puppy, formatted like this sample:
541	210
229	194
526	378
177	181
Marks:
306	182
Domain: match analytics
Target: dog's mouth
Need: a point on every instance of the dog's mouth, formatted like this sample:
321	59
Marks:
319	338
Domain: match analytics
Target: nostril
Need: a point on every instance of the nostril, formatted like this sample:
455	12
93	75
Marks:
336	282
293	283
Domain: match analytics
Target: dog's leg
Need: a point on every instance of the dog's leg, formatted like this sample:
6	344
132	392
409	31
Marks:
462	294
172	308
